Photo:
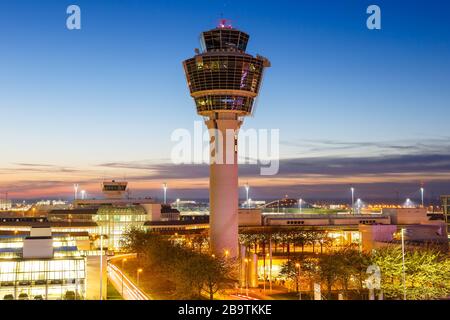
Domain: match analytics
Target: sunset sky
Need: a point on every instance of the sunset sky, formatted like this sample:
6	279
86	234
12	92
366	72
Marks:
353	106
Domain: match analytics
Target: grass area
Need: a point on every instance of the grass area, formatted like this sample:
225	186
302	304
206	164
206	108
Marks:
112	293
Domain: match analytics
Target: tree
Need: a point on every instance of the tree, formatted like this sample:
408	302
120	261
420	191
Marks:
427	273
250	240
309	267
324	240
353	264
289	271
191	272
300	238
312	238
330	268
136	240
215	272
199	241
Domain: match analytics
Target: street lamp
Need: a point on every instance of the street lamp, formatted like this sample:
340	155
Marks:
297	265
300	205
123	262
358	205
408	203
227	253
403	263
101	267
421	194
353	199
75	189
165	192
246	276
247	189
138	272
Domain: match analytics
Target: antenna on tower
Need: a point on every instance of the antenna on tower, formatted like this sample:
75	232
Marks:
224	23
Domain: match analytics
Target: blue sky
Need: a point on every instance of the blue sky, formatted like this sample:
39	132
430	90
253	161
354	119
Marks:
75	102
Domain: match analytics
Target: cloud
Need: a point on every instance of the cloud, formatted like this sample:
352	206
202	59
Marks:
37	167
328	147
325	166
32	164
344	166
319	176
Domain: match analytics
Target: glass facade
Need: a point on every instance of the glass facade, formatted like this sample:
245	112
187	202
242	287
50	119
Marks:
224	39
224	72
114	187
49	279
11	246
224	102
223	77
113	221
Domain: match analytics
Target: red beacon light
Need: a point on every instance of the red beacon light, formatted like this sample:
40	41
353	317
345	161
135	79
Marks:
225	24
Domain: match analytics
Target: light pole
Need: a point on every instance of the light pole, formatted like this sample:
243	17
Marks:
240	274
101	267
359	205
353	198
75	189
300	205
403	263
123	262
247	189
265	272
138	272
246	276
408	203
270	263
421	194
297	265
165	192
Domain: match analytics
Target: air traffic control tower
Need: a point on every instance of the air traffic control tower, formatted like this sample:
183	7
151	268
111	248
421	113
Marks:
224	82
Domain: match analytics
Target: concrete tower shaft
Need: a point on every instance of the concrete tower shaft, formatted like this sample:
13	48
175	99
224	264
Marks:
223	184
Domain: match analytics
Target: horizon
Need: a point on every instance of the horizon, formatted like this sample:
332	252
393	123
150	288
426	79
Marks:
354	107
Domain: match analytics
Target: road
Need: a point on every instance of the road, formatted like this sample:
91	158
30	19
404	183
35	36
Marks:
242	297
130	290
